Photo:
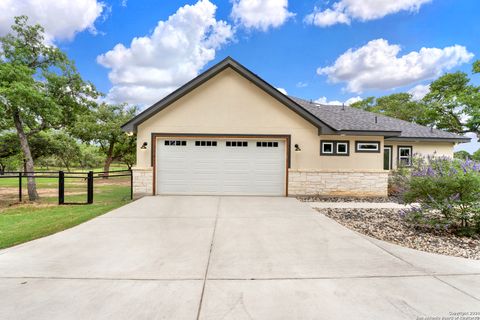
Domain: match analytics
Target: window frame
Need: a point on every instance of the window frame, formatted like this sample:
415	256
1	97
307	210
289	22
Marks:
358	143
334	144
400	157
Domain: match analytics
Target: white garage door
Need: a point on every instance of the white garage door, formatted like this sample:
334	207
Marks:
220	166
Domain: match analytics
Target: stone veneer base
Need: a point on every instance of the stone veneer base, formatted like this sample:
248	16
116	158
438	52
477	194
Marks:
357	183
301	182
142	182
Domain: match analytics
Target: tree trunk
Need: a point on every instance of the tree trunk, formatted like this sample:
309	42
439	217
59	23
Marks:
27	155
108	161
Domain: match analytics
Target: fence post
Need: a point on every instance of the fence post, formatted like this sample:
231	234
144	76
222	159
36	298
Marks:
61	187
131	184
20	186
90	187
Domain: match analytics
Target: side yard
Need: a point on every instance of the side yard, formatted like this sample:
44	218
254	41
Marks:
21	222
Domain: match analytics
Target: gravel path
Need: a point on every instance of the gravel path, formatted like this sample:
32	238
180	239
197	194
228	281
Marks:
385	224
348	199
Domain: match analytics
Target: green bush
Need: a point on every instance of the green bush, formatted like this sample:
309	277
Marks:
447	192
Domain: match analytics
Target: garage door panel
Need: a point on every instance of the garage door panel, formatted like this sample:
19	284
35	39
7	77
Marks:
226	167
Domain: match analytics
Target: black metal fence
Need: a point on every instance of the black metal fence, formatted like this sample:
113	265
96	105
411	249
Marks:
89	177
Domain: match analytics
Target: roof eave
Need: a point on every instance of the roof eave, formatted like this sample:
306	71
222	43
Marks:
384	133
431	139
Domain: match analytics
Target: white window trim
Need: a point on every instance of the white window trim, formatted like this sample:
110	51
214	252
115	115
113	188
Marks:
329	143
360	144
408	158
346	147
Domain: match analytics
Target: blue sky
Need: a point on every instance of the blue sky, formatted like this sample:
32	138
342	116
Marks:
285	42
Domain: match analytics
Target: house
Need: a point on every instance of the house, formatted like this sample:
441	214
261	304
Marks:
228	132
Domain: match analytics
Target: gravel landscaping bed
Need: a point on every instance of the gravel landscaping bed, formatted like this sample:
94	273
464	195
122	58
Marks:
386	224
348	199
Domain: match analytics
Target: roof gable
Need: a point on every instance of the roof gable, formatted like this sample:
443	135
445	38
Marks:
131	126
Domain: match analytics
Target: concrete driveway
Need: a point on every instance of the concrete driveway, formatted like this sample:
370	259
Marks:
227	258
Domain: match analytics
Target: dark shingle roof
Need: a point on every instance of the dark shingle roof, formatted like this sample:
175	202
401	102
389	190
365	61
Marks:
345	118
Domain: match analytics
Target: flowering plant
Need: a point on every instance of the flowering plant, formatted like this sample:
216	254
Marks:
444	193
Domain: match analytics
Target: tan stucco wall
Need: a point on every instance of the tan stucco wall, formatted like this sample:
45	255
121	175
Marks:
440	149
230	104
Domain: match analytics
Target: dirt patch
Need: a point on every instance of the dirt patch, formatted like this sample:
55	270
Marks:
387	225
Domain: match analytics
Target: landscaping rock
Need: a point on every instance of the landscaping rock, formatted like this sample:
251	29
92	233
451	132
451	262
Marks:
387	225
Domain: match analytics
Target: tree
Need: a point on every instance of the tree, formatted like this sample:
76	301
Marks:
39	88
476	66
41	145
476	155
67	149
462	154
102	126
454	104
397	105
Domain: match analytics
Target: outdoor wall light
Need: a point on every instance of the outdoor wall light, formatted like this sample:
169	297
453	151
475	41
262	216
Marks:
297	148
144	146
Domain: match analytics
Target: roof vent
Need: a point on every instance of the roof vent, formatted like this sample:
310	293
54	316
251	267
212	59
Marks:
376	119
343	106
431	129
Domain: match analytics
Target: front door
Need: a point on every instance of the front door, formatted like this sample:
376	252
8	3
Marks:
387	158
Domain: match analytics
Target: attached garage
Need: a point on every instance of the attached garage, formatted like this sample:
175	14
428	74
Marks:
217	165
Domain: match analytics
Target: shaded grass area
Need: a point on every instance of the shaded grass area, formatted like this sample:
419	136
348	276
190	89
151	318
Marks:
27	221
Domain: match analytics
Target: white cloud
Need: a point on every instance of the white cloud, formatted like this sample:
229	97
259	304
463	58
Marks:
302	84
377	65
352	100
173	54
282	90
419	91
62	19
344	11
324	100
260	14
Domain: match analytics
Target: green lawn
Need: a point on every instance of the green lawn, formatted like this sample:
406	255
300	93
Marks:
24	222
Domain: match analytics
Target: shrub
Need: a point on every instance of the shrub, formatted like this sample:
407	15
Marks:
447	192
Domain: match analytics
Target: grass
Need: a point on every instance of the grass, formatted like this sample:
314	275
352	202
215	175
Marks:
27	221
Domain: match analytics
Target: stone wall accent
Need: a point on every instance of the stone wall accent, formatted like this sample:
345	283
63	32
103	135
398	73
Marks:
358	183
142	182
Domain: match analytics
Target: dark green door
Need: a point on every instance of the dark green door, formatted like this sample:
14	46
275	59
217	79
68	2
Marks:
387	158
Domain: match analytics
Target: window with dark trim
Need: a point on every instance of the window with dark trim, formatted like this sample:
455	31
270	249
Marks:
334	148
405	156
175	142
367	146
204	143
236	143
267	144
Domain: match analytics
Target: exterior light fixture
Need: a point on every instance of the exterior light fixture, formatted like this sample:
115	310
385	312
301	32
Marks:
144	146
129	133
297	148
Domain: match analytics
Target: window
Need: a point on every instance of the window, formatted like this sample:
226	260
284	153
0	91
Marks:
175	142
404	156
342	148
205	143
367	146
334	148
236	144
267	144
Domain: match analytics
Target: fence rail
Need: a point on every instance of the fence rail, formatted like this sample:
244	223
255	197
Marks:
62	175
